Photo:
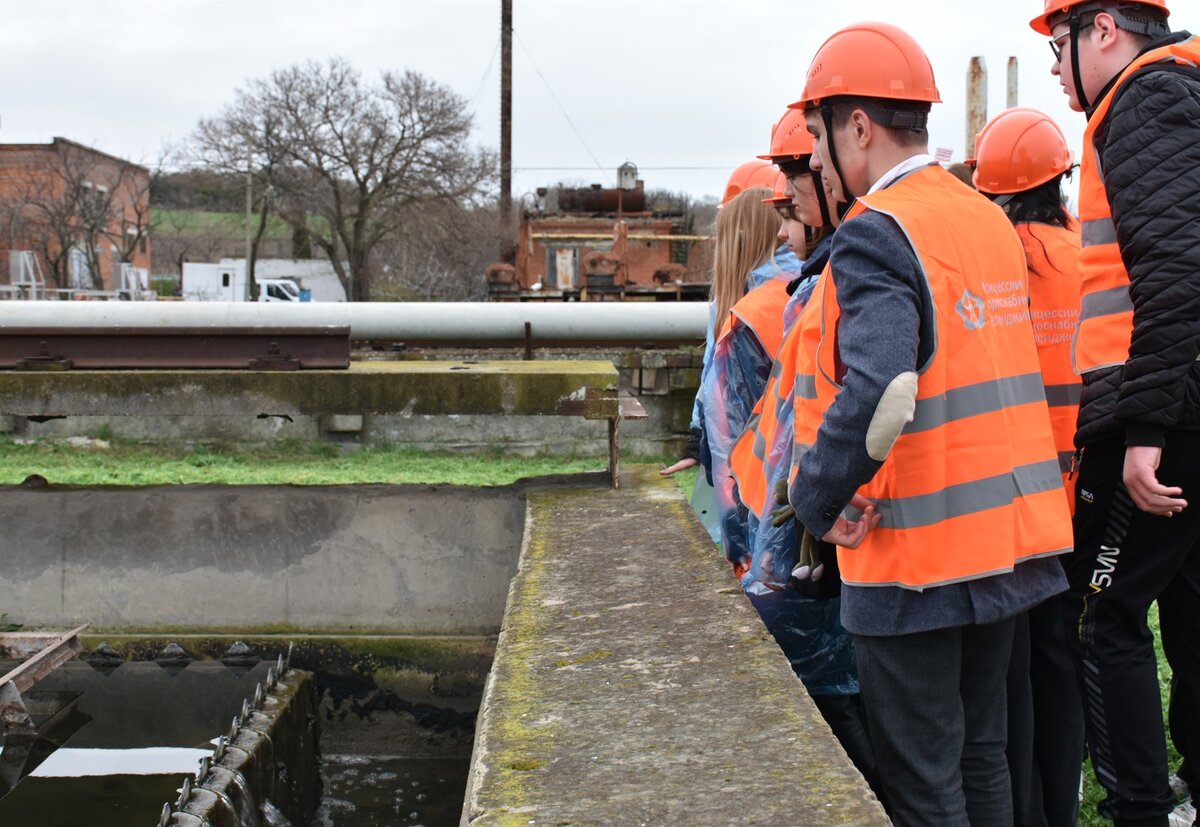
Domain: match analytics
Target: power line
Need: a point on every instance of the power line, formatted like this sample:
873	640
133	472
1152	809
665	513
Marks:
486	74
561	108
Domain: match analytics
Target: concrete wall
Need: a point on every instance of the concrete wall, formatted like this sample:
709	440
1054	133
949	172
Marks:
395	559
664	381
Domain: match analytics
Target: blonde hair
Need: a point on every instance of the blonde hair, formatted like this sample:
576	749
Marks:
746	236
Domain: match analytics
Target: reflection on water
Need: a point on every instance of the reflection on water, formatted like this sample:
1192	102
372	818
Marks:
387	791
99	801
78	763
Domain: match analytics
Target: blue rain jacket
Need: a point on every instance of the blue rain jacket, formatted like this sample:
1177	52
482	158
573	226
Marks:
784	261
808	630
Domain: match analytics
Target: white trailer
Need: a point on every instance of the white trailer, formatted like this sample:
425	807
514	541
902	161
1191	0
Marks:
226	282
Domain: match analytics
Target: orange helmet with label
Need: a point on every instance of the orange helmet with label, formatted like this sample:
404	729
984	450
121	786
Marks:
790	139
747	176
872	60
1056	8
1018	150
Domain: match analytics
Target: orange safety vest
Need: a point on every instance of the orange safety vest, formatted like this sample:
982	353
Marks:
746	460
1052	254
971	486
1106	309
761	310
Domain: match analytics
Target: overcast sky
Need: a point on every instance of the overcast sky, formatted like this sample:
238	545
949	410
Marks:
686	89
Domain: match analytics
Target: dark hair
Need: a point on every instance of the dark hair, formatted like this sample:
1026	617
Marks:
904	120
1043	204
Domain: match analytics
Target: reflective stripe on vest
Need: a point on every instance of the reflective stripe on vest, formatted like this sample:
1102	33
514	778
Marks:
1106	317
971	485
969	497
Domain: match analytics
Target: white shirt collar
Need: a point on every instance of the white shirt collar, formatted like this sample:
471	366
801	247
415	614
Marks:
903	168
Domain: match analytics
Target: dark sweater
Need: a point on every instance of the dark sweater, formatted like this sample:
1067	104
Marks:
886	328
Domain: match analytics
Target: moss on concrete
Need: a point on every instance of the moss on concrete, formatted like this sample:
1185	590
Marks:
638	687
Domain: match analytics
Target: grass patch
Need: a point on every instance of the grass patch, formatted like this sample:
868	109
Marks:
284	463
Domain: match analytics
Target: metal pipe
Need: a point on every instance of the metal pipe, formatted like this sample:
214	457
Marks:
432	322
609	237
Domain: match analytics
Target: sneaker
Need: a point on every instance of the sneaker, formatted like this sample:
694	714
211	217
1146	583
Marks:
1183	816
1179	787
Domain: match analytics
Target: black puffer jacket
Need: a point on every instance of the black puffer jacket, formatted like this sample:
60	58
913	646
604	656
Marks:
1149	151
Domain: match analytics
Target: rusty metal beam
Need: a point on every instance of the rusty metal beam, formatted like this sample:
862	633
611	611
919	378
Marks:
54	654
610	237
1010	98
30	348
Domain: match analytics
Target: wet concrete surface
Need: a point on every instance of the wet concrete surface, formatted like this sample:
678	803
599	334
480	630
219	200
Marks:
635	684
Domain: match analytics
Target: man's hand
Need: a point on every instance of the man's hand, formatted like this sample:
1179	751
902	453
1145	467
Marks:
1151	496
851	533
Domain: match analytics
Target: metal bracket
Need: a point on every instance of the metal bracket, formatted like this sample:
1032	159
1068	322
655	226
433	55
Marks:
13	713
44	361
274	360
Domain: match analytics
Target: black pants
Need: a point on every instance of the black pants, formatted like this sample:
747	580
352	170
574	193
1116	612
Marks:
1124	560
1045	719
935	704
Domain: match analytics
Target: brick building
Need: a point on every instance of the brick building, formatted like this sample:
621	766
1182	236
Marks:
81	213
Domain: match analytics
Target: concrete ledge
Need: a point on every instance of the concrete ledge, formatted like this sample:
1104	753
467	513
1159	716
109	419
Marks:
634	684
407	388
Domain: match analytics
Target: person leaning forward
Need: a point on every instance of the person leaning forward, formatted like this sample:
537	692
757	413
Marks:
1136	538
923	408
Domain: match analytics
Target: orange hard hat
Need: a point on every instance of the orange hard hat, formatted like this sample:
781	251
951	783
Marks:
779	194
872	60
979	138
748	175
1054	8
790	139
1018	150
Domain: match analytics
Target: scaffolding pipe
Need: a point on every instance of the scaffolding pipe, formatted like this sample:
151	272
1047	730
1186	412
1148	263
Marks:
432	322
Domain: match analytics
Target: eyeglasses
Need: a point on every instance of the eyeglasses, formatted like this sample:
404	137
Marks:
1056	43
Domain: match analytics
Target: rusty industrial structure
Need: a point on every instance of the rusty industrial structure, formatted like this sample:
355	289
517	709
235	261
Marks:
600	243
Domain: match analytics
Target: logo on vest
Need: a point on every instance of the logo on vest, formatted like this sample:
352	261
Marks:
970	309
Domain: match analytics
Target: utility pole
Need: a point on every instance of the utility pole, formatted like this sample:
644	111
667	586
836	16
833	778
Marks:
508	249
1011	97
249	209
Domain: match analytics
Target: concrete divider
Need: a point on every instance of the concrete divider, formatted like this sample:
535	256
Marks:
634	684
412	559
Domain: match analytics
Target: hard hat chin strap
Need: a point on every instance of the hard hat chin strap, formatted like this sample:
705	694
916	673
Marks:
1075	76
819	188
827	117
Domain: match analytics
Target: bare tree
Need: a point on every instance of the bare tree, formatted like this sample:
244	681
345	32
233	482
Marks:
345	159
442	255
